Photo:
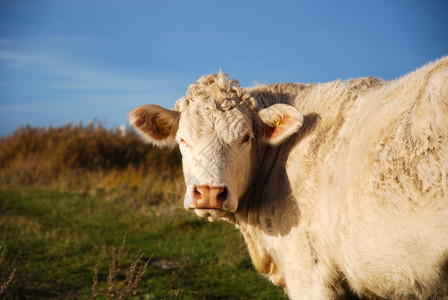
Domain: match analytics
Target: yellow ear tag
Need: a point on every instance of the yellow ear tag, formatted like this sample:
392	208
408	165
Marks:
276	122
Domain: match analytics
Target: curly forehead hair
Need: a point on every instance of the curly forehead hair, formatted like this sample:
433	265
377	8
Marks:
219	91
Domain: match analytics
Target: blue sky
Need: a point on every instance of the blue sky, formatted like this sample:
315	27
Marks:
76	61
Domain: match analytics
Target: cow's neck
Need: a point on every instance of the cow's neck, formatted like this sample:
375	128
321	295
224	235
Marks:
267	204
267	95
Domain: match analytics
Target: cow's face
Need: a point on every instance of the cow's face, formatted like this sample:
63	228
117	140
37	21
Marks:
217	139
216	157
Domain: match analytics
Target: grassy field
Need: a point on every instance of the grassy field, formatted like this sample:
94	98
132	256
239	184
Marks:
56	234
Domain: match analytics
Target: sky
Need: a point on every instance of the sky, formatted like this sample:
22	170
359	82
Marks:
77	61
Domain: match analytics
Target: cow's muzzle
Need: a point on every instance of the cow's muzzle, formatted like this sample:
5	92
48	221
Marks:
209	197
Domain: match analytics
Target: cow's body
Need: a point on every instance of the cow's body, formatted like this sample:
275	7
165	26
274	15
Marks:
356	197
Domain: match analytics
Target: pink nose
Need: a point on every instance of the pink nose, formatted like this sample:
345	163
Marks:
209	197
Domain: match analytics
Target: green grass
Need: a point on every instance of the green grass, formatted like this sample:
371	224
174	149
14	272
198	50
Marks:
55	238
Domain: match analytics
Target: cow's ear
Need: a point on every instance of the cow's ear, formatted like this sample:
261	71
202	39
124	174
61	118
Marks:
279	122
157	125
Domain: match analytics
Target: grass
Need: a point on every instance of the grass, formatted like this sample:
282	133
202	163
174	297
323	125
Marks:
54	239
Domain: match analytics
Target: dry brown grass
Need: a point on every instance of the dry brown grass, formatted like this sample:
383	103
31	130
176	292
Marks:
121	289
7	283
85	157
4	286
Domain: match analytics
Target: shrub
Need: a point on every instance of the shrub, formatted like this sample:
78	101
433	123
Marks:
44	156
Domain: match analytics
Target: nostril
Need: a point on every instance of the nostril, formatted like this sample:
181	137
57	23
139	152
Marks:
196	193
222	196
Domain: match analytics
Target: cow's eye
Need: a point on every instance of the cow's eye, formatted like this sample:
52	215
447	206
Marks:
246	139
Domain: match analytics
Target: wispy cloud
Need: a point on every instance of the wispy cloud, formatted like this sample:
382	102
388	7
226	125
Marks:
55	87
76	76
12	59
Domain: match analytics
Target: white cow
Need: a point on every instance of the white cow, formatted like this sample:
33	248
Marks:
337	187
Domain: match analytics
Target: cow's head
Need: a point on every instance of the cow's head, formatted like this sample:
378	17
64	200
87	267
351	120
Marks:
218	128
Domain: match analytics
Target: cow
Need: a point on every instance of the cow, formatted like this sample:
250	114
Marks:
338	188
